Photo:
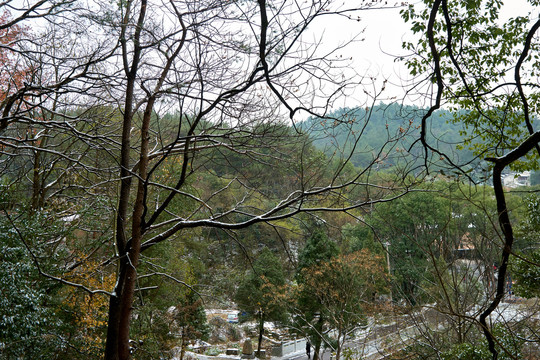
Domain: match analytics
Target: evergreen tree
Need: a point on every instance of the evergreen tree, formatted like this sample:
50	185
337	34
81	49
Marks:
310	318
318	248
31	321
260	294
191	321
413	227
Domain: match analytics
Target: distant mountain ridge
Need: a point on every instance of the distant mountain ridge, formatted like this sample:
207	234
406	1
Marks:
387	134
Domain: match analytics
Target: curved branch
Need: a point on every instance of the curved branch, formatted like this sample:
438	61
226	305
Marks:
517	78
506	226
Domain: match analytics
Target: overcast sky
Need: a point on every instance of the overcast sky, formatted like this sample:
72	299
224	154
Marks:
383	37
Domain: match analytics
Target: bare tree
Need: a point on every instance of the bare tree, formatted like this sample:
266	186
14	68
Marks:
239	77
229	76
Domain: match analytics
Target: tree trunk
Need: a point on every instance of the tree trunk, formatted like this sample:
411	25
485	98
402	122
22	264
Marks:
125	289
36	181
318	338
120	305
340	342
184	345
261	332
117	347
113	324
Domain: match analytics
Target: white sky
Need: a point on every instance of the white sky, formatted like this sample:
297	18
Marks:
375	55
381	31
384	33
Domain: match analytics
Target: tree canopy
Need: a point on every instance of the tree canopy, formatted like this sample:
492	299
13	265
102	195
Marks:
157	154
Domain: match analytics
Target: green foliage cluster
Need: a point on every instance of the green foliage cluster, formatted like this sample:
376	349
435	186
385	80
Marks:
262	293
524	265
526	274
510	347
261	290
466	351
424	229
511	343
33	323
411	226
318	249
478	51
213	351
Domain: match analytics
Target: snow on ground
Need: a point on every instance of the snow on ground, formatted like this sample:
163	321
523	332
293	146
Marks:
192	355
513	311
510	311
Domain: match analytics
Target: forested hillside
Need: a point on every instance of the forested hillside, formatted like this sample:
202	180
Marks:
388	134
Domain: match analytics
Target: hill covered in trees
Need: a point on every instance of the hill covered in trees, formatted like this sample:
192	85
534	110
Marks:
388	134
